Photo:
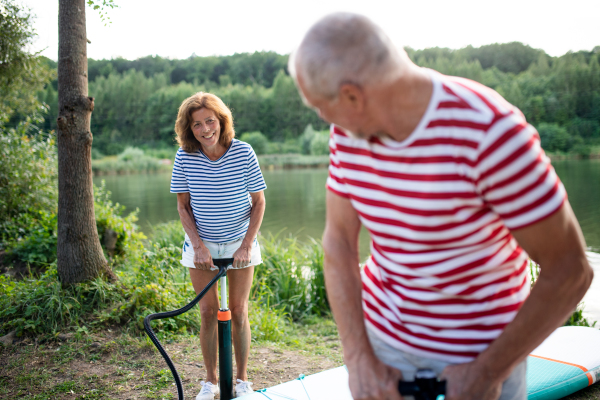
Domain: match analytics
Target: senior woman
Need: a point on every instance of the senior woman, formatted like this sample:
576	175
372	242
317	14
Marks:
221	204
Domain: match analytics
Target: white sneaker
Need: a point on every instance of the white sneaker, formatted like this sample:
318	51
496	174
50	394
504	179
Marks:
243	388
208	391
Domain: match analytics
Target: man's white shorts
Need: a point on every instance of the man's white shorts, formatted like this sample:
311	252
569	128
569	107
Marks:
219	250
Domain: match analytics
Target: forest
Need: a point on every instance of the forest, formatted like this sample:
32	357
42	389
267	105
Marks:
137	100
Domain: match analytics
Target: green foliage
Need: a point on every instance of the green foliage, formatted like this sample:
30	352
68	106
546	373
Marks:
137	101
257	140
287	147
109	216
554	137
313	142
577	318
28	176
291	277
38	248
319	145
42	306
168	234
132	159
100	6
22	75
306	139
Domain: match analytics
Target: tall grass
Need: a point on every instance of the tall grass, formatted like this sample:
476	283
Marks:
291	277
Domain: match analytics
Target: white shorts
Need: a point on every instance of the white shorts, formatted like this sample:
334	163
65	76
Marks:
219	250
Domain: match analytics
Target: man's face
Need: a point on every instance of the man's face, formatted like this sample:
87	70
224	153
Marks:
346	111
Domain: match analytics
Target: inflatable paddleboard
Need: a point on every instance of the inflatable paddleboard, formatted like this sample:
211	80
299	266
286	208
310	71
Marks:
567	361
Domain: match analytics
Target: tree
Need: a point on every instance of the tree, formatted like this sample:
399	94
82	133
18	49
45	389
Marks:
79	254
22	74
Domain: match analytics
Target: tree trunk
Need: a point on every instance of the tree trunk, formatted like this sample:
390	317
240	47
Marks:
79	254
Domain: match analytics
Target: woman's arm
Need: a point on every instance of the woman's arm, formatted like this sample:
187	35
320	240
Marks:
242	255
202	258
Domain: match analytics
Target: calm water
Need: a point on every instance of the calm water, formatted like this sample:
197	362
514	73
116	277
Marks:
296	205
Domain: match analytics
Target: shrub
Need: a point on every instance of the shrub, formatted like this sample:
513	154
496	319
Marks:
320	144
28	179
554	137
168	234
131	159
257	140
131	154
306	139
288	147
291	277
109	218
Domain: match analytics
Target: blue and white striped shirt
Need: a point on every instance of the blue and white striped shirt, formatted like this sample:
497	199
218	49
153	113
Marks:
219	190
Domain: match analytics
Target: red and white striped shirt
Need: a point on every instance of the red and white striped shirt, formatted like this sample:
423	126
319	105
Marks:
445	275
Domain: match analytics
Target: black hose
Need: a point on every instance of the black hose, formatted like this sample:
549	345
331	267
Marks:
222	263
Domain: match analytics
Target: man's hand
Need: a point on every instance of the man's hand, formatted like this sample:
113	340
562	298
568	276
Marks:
202	258
241	257
370	379
470	382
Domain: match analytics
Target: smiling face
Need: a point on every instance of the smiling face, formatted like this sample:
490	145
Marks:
206	128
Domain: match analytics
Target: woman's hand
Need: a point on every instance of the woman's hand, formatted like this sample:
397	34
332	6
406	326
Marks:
202	258
241	257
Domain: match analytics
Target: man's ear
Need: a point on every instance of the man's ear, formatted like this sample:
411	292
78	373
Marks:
352	97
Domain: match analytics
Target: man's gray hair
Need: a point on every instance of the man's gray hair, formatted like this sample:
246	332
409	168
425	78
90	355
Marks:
345	48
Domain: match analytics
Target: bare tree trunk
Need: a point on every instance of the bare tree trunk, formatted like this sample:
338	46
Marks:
79	254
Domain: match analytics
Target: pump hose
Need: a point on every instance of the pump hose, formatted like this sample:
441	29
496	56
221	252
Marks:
222	264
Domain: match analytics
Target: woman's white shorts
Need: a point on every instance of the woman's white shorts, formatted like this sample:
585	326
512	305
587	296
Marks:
219	250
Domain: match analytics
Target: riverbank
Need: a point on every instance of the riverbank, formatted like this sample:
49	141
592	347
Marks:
113	165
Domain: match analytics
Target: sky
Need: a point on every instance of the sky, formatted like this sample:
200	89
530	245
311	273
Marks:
179	28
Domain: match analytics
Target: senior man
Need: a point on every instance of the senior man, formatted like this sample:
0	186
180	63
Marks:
456	193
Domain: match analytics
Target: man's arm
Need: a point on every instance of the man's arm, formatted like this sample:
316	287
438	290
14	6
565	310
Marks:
557	245
369	378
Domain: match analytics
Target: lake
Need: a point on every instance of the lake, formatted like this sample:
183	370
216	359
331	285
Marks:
296	205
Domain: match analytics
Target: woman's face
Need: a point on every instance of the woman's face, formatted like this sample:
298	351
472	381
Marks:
206	128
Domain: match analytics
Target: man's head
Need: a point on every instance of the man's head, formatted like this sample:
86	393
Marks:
340	59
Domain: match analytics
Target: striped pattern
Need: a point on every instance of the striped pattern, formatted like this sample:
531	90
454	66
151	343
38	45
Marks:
445	275
219	190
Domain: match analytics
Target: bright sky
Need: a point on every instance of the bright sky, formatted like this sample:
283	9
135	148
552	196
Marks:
178	28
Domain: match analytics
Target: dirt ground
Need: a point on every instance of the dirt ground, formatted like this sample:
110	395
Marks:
117	367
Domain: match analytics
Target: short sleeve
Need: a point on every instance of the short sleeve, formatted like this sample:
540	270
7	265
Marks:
514	175
254	180
178	180
335	180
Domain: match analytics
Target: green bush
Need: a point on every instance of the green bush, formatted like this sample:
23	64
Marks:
168	234
320	144
291	277
96	154
131	154
109	216
306	139
554	137
28	179
257	140
38	247
288	147
131	159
